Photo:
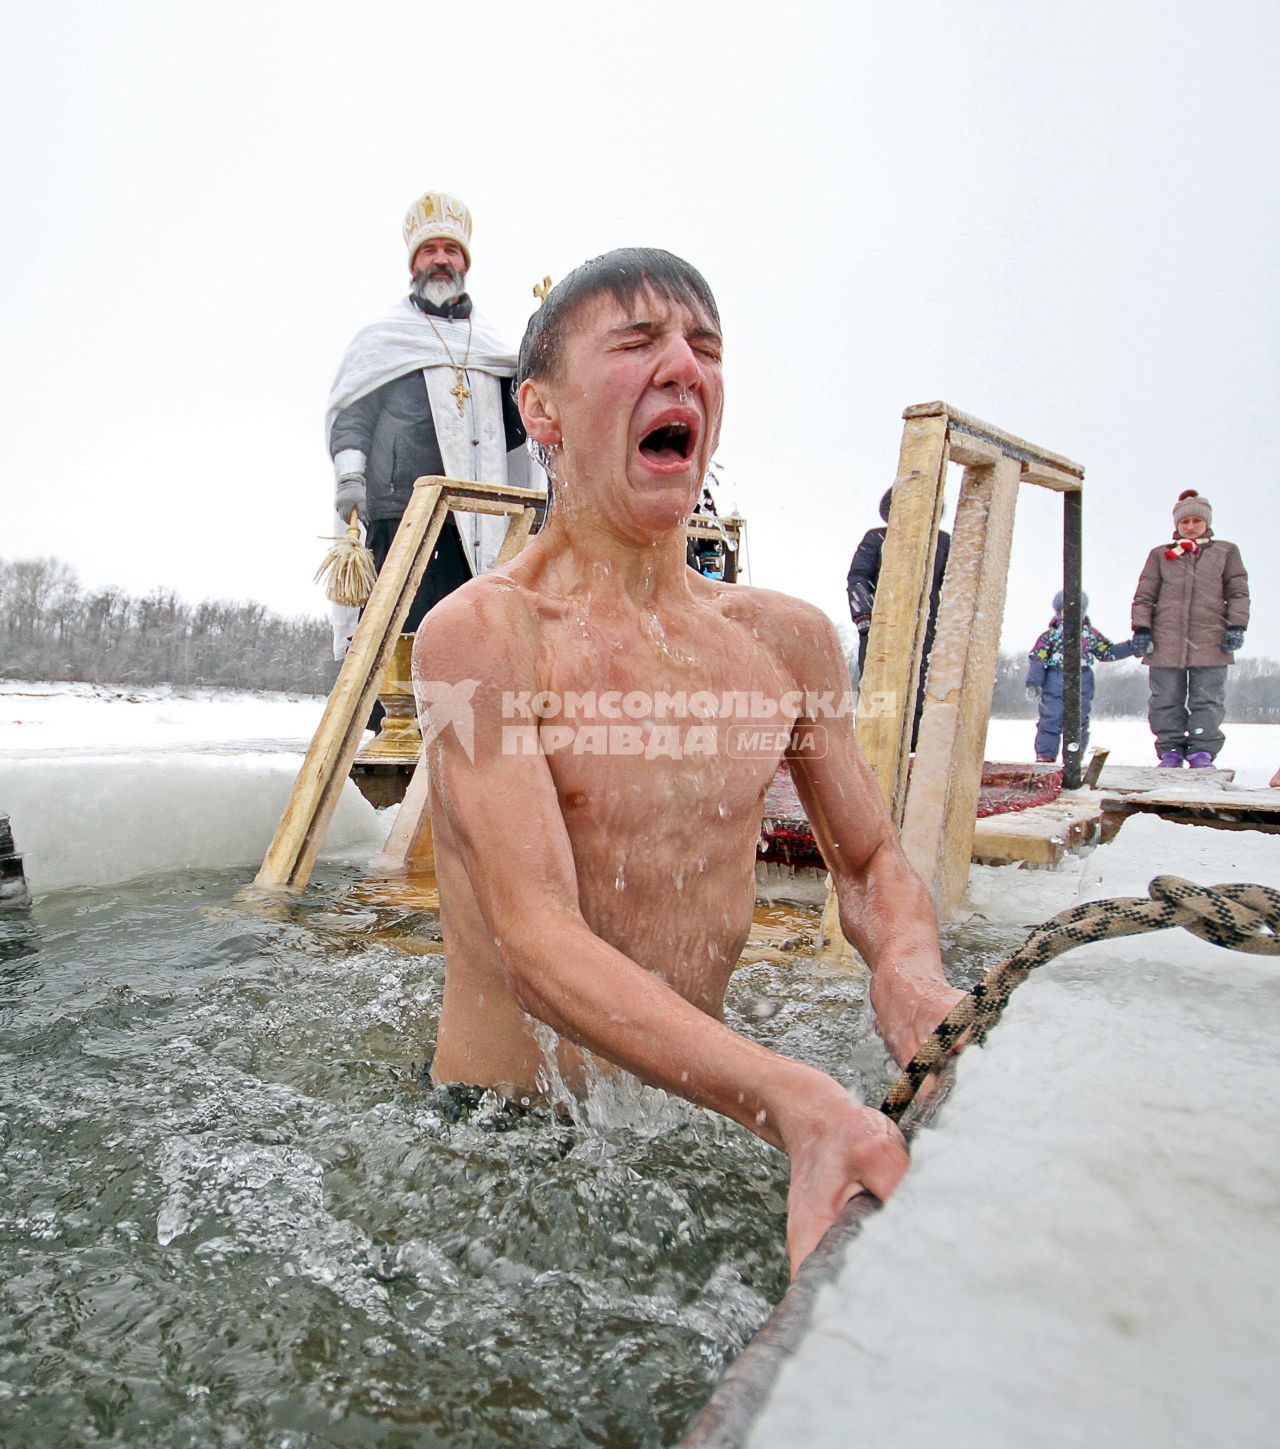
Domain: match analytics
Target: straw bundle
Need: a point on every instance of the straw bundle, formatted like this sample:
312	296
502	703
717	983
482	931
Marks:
348	570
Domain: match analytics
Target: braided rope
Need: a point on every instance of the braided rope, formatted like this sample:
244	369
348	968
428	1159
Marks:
1240	917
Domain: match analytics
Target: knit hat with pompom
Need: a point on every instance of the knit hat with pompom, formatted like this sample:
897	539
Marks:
1191	504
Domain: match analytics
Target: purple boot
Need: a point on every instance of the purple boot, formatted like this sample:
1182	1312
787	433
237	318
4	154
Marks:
1171	760
1200	760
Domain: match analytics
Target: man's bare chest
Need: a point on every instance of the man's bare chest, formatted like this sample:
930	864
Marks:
645	717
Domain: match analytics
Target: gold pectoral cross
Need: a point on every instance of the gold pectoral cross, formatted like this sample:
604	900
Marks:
460	390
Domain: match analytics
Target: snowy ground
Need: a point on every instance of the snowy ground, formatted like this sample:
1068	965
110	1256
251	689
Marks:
1252	750
47	719
102	784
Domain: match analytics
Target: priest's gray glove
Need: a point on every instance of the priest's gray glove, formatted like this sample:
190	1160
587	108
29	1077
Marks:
350	494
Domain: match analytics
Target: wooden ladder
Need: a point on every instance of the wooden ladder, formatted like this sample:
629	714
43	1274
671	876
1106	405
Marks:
936	809
291	855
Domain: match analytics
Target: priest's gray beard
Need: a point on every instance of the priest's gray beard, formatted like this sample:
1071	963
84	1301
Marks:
438	285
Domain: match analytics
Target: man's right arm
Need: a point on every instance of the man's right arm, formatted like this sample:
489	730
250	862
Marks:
504	814
350	443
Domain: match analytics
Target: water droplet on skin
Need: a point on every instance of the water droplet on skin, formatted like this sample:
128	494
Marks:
724	810
761	1117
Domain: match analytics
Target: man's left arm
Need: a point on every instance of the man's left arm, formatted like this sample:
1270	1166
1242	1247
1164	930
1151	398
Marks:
885	910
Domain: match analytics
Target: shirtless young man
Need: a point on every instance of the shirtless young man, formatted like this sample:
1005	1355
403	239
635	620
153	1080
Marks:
603	882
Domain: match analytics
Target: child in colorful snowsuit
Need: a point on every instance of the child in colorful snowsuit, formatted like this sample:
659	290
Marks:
1190	612
1044	676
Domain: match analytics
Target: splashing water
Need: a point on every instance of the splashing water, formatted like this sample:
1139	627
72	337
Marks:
232	1212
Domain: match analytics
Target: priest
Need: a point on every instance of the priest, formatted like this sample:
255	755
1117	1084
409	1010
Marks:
426	389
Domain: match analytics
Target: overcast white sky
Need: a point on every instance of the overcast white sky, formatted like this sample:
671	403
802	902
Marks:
1061	217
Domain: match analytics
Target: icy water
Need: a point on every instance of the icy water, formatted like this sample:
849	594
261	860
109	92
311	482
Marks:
232	1213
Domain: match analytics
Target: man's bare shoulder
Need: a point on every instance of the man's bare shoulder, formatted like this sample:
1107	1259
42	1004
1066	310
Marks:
489	618
768	603
792	626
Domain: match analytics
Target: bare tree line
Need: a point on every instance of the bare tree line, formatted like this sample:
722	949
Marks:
53	628
1253	688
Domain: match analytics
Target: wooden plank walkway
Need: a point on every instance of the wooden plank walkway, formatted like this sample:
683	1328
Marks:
1196	801
1042	835
1131	779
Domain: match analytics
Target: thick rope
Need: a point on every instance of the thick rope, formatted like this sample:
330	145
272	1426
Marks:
1241	917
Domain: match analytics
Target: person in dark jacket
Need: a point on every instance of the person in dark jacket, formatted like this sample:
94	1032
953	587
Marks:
1045	679
426	390
1190	611
864	575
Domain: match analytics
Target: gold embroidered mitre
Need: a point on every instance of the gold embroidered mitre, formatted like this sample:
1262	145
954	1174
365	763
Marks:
437	214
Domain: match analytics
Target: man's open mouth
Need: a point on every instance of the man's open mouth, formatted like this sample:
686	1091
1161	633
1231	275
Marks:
669	443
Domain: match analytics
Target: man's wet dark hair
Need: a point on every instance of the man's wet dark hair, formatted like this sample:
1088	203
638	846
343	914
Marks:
624	275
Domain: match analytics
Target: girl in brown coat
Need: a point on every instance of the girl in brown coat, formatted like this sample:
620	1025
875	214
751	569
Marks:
1190	612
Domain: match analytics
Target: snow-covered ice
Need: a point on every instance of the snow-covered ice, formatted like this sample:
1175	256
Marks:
103	783
1084	1252
1252	750
42	718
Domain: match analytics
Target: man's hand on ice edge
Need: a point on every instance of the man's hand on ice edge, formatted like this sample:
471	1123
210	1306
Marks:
837	1148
